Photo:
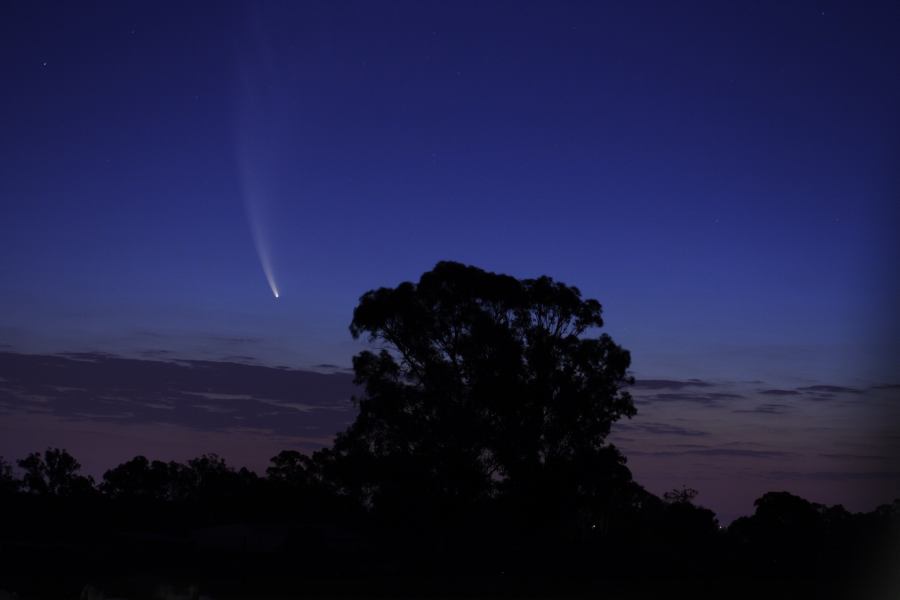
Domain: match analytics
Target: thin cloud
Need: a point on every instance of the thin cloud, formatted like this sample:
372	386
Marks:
740	452
88	356
777	392
234	340
660	429
725	452
154	353
669	384
819	397
855	456
202	395
836	475
766	409
707	399
829	389
242	358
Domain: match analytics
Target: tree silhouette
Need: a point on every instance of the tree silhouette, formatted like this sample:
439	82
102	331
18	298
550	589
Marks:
483	387
289	469
8	483
682	495
55	473
785	533
137	478
688	525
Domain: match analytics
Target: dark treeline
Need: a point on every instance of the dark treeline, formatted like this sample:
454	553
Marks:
236	532
478	465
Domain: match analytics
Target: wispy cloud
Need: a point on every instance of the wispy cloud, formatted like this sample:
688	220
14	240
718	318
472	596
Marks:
846	456
660	429
766	409
707	398
777	392
724	452
829	389
669	384
155	353
202	395
886	386
331	367
836	475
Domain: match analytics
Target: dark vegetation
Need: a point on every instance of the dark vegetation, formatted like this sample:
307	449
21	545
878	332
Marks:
478	466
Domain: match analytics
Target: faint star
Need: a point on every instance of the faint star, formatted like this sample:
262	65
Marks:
44	64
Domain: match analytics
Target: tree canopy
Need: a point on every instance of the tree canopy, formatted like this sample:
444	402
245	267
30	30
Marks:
482	386
54	473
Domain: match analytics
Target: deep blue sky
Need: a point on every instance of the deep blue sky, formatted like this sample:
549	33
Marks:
722	176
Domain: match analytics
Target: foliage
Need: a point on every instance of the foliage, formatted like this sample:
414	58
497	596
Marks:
483	386
684	495
8	483
55	473
290	469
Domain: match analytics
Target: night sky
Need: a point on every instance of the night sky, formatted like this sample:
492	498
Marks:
722	176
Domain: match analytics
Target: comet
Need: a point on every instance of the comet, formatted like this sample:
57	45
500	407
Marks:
256	200
260	241
259	135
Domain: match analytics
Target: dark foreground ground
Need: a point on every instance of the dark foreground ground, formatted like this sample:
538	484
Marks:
147	587
141	567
